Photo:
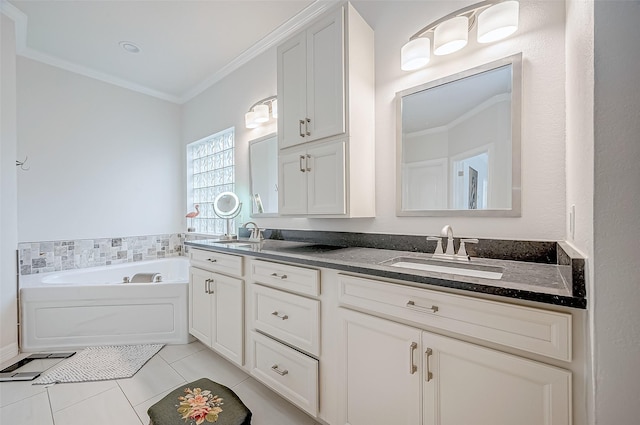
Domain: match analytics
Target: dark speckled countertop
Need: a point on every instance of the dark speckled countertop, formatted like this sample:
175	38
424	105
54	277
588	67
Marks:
533	281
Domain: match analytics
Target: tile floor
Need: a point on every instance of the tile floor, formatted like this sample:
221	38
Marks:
125	401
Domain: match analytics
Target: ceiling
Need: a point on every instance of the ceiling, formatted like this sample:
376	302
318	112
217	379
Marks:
185	46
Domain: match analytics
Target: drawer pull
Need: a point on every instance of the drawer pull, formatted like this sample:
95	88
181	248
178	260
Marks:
278	371
281	276
212	260
278	315
412	365
428	375
412	305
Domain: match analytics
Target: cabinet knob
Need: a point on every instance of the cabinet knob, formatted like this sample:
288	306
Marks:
301	166
278	371
280	316
412	365
300	124
412	305
428	376
306	126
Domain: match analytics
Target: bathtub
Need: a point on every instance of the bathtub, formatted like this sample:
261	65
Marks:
86	307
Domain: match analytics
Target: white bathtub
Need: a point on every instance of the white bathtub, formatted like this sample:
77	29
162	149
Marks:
79	308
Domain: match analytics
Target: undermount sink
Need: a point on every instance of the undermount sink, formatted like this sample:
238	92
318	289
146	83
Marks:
462	269
234	243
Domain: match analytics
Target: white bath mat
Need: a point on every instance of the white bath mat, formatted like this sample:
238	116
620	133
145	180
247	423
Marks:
101	364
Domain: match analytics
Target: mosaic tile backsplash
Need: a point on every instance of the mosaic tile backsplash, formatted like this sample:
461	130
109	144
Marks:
43	257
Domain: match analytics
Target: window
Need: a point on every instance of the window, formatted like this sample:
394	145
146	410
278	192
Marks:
210	171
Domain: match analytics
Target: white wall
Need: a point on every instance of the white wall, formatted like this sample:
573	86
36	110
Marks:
616	296
224	105
579	164
104	161
8	192
540	38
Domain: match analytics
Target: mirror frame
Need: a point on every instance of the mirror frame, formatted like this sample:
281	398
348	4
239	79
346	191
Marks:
251	177
227	214
516	111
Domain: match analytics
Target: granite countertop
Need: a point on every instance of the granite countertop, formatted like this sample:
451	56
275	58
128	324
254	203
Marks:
531	281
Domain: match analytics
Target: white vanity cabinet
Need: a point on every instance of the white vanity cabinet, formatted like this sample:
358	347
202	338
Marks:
326	118
216	303
284	331
397	373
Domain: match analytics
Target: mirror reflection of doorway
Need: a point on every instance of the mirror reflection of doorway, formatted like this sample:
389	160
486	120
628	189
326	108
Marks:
471	181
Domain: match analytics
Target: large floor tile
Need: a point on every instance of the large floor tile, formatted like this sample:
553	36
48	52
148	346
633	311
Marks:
62	396
108	408
11	392
154	378
207	364
268	408
141	409
31	410
173	353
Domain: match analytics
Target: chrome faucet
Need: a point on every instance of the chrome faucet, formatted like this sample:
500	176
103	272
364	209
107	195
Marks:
450	254
256	232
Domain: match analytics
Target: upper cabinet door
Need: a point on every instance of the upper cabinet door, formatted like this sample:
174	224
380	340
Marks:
325	77
292	96
311	83
325	165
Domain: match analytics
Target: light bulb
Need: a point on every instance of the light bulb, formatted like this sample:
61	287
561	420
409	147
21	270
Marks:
498	21
415	54
261	113
451	36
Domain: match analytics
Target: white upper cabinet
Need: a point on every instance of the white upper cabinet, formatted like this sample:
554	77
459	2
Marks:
326	96
311	83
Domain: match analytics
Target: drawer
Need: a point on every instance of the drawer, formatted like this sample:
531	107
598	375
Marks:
290	278
290	373
535	330
216	261
290	318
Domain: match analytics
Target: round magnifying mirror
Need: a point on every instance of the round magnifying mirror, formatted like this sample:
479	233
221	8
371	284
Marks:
226	205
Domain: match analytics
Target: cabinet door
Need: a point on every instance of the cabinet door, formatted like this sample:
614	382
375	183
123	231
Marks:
292	187
476	385
325	167
325	77
382	380
227	333
200	304
292	86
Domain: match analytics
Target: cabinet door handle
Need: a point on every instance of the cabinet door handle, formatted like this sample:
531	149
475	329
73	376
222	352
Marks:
412	365
428	376
278	371
412	305
306	126
306	161
281	276
301	166
280	316
300	124
212	260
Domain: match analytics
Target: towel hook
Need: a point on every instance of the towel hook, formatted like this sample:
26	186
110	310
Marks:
21	164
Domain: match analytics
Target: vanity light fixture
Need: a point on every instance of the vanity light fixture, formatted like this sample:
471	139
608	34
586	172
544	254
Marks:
495	19
261	112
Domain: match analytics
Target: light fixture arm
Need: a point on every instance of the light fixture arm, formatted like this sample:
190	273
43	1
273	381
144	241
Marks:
266	101
470	12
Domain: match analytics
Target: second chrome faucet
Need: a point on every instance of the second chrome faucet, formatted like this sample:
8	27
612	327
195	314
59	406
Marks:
450	253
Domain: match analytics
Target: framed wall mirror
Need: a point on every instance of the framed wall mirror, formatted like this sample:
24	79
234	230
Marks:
263	165
458	144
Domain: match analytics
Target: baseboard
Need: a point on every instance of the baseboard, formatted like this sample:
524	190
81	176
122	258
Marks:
8	352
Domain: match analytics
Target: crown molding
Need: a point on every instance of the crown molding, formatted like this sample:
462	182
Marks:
291	26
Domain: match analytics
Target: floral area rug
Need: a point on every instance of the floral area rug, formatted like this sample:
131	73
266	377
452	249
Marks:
100	364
